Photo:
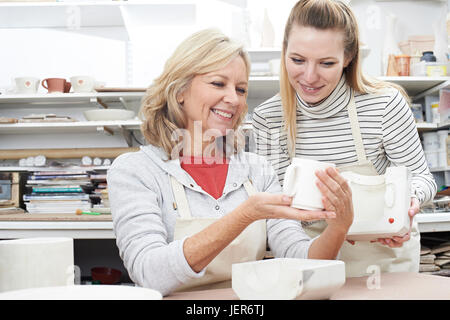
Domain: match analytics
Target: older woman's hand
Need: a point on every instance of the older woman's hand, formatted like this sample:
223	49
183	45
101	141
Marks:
277	206
397	242
337	197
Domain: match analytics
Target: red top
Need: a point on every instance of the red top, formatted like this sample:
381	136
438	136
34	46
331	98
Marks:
208	174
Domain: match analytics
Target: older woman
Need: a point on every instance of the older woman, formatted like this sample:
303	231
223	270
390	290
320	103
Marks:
191	203
328	110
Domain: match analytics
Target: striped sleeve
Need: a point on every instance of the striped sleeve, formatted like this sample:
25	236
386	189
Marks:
402	146
267	122
261	130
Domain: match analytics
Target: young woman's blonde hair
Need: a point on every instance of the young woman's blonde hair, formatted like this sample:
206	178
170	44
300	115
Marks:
203	52
322	15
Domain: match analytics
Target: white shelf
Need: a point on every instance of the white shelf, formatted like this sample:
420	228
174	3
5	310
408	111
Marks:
263	50
69	127
29	169
407	0
40	99
439	169
428	222
259	86
415	86
264	79
444	125
433	222
263	86
427	126
72	229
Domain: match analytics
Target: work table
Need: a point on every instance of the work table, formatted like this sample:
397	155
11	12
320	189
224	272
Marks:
392	286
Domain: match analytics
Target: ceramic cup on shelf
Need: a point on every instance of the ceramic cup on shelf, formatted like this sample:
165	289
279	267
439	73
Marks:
403	63
82	83
56	85
27	84
300	183
67	87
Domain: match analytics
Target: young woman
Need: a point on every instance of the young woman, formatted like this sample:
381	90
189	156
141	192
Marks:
191	203
328	110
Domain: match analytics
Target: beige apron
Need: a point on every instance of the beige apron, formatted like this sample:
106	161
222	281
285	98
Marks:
250	245
362	254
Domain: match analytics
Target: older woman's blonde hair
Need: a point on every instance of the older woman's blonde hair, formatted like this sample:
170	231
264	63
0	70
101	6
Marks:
323	15
203	52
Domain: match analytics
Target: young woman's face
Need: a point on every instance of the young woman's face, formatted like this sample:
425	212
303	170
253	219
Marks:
314	61
217	99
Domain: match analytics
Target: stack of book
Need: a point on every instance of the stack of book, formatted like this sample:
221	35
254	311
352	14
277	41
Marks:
57	192
99	195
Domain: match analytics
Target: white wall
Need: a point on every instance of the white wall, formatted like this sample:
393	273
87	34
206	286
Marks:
130	52
413	18
58	52
135	55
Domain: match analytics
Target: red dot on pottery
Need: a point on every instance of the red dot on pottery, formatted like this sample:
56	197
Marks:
391	220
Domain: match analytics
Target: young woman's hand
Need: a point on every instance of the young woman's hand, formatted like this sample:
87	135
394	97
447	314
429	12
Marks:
397	242
337	197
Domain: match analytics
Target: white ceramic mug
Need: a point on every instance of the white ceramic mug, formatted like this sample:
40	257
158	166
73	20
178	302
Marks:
300	183
82	83
27	84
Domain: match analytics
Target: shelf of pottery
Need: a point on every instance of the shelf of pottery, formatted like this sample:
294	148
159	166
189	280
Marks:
434	256
29	115
60	112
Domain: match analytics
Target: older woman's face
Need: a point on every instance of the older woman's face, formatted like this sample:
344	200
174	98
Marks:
314	61
217	99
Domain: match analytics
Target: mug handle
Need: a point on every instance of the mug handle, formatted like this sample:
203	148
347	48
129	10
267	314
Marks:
44	81
289	180
67	86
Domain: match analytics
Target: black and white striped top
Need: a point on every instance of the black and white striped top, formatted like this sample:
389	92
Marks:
388	130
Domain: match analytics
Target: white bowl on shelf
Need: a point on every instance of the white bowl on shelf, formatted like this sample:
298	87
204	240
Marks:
108	114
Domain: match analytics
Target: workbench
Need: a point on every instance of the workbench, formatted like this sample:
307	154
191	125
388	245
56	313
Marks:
392	286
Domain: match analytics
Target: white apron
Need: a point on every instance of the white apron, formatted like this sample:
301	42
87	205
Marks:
250	245
364	254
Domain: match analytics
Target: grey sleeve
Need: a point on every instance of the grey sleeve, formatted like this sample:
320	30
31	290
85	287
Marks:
141	235
286	238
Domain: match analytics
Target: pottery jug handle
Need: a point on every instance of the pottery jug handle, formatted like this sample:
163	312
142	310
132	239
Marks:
289	183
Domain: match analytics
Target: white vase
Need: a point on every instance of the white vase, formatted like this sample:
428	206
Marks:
390	45
440	39
268	32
